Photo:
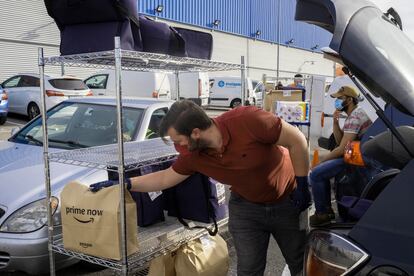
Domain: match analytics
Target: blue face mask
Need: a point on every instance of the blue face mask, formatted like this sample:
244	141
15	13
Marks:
338	104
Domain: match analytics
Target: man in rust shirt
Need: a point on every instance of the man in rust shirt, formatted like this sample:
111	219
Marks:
260	156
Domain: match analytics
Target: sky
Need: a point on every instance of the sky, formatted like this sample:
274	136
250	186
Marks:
405	9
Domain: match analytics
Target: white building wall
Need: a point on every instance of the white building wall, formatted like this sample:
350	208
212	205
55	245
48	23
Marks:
25	26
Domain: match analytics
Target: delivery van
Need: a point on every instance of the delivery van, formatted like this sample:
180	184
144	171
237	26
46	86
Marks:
226	92
193	86
135	84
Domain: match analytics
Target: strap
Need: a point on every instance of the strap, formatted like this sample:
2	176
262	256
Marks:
122	10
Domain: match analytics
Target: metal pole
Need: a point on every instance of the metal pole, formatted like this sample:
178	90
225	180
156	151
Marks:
118	89
278	41
46	162
177	85
62	69
243	81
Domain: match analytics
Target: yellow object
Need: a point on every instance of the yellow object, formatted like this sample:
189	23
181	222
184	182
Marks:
315	159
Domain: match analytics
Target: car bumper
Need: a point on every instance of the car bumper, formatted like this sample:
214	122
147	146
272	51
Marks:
28	254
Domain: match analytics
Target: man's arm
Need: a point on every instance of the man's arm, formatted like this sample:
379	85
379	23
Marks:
156	181
337	131
294	140
338	152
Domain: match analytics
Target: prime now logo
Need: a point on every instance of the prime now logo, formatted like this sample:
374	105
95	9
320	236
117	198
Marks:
83	212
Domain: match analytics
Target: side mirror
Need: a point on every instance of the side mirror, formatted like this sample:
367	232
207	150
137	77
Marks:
14	130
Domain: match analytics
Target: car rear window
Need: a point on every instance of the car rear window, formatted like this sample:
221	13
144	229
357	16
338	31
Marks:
68	84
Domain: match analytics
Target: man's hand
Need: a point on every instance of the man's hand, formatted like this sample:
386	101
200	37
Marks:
336	116
108	183
301	196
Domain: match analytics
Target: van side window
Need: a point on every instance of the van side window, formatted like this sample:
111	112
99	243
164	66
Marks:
154	124
97	81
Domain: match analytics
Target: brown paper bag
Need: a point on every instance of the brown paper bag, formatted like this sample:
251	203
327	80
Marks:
91	222
163	265
205	256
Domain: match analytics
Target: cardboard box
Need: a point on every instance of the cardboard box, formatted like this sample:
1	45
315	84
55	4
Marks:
273	96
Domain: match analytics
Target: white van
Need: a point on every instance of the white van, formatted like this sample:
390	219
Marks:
136	84
226	91
193	86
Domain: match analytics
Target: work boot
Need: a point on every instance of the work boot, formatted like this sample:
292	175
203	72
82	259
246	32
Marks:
320	219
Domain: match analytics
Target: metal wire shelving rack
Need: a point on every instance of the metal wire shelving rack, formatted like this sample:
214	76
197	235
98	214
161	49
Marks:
122	157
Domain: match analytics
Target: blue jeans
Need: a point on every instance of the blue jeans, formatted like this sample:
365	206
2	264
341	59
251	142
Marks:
320	181
251	225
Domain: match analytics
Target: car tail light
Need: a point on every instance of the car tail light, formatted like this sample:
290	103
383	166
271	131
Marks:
155	94
199	87
50	93
89	93
4	95
330	254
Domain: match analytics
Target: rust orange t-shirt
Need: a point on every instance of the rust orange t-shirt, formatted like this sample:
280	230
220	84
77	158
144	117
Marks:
250	161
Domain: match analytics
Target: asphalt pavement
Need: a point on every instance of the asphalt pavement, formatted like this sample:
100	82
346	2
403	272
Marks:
275	261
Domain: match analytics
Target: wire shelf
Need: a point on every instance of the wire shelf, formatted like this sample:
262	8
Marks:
141	61
136	155
154	241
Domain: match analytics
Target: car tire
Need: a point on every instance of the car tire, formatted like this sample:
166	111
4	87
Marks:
32	110
235	103
3	119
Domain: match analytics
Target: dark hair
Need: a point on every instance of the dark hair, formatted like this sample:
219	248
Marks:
298	76
184	116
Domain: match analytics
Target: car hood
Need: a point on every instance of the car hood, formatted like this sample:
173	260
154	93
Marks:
22	175
375	50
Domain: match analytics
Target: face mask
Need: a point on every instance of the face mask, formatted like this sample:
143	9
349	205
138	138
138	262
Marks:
339	104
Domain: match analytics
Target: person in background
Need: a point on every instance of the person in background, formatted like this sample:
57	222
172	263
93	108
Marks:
356	123
265	161
297	81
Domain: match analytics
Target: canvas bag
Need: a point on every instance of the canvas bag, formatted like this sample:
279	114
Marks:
91	222
163	265
205	256
149	205
197	199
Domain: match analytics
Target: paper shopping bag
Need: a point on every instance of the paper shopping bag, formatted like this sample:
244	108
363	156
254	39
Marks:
91	222
163	265
205	256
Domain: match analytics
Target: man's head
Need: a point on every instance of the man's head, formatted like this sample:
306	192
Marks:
184	123
346	97
298	80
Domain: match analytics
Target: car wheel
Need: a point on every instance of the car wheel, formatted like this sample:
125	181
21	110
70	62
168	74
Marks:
235	103
33	110
3	119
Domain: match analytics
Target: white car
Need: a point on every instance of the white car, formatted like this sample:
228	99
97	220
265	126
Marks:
72	124
25	97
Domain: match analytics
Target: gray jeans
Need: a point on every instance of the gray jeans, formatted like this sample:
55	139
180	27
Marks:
251	224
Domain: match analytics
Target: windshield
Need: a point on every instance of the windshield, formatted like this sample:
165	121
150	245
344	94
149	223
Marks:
80	125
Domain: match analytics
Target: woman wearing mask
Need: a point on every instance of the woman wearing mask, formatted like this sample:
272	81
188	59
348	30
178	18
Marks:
356	123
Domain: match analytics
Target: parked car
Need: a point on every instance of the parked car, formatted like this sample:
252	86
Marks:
134	84
4	105
74	123
379	56
25	97
226	91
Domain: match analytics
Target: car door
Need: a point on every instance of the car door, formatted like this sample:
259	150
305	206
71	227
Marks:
11	85
29	92
97	83
155	122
